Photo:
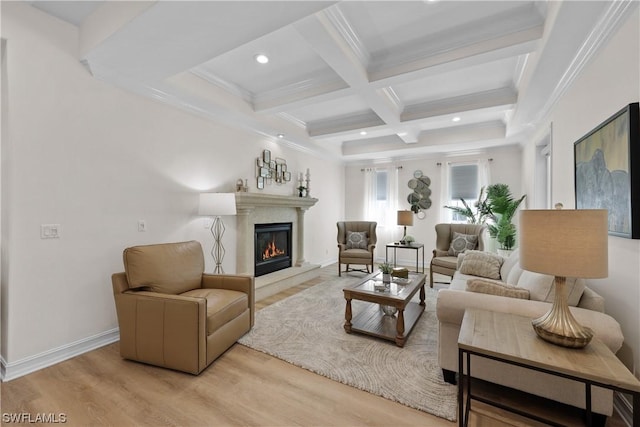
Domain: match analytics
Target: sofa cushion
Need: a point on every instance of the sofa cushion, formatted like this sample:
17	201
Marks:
539	285
445	261
509	263
494	288
514	275
462	242
483	264
360	254
223	305
170	268
357	240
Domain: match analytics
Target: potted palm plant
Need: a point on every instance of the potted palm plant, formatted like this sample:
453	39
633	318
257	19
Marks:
479	213
495	207
503	208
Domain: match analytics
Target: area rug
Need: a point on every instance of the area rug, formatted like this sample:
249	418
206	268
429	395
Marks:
306	330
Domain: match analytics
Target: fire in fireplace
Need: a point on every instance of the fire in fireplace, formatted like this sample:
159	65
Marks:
272	244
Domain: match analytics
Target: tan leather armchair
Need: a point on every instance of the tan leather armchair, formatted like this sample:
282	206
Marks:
173	315
444	263
358	256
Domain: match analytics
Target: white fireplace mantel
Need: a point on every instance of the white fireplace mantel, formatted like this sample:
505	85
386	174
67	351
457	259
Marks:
252	200
253	208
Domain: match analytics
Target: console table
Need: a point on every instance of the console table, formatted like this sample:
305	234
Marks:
517	344
396	246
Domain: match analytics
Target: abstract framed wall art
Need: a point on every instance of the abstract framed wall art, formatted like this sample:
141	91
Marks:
607	171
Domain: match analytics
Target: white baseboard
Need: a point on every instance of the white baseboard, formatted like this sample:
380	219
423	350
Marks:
13	370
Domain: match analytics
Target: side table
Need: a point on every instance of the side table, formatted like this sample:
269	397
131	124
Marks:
396	246
595	365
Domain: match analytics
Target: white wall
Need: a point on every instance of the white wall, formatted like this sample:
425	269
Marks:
97	159
505	168
610	81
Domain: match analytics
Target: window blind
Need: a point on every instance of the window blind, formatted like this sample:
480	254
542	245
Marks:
464	182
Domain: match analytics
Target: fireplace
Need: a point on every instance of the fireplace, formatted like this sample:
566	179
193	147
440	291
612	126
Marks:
272	243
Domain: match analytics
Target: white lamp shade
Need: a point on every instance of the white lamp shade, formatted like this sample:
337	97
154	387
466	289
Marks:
567	243
217	204
405	218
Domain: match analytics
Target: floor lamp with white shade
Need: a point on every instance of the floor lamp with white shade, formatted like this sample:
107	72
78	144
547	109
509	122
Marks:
216	205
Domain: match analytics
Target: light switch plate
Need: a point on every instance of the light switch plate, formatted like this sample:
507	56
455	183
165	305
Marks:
50	231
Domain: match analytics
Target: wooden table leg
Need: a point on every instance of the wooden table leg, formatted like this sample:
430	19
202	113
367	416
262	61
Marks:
400	328
347	316
422	296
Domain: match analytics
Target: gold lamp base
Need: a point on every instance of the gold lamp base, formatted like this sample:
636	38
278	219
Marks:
559	326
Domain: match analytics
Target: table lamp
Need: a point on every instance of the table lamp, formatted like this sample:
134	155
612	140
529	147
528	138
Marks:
217	204
564	243
405	218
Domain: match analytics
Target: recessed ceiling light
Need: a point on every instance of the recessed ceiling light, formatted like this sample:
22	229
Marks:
456	119
281	135
261	58
363	132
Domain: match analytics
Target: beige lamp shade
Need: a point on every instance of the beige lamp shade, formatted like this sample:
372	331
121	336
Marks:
566	243
217	204
405	218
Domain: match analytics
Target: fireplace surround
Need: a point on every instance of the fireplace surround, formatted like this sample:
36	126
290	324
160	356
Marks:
255	208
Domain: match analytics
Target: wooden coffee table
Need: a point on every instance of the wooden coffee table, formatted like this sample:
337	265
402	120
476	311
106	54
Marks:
398	294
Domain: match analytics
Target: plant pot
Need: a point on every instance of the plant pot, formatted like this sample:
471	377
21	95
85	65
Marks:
386	277
505	253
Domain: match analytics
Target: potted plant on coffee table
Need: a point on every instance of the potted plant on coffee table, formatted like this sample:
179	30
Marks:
386	270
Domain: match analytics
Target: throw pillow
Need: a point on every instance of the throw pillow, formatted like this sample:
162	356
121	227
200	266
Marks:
543	288
482	264
462	242
357	240
496	288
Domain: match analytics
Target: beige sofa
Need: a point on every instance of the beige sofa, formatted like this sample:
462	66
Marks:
588	309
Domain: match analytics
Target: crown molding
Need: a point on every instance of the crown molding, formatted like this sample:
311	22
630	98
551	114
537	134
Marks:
312	85
224	84
609	23
349	35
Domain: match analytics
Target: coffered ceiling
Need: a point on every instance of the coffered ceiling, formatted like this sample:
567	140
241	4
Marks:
355	80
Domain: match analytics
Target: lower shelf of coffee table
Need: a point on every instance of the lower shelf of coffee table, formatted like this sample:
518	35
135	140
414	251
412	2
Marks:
372	321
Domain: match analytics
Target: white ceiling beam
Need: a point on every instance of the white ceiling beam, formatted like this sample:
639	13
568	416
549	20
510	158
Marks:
503	97
517	27
464	137
349	123
323	36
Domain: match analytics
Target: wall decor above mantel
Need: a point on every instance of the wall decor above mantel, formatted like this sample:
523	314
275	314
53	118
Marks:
270	169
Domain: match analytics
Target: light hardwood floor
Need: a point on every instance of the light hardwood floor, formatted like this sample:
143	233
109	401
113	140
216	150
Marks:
243	387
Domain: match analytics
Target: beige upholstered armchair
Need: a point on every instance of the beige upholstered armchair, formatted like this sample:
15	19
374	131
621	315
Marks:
445	255
356	243
173	315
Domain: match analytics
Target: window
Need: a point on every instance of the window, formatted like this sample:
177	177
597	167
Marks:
463	183
381	196
382	189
